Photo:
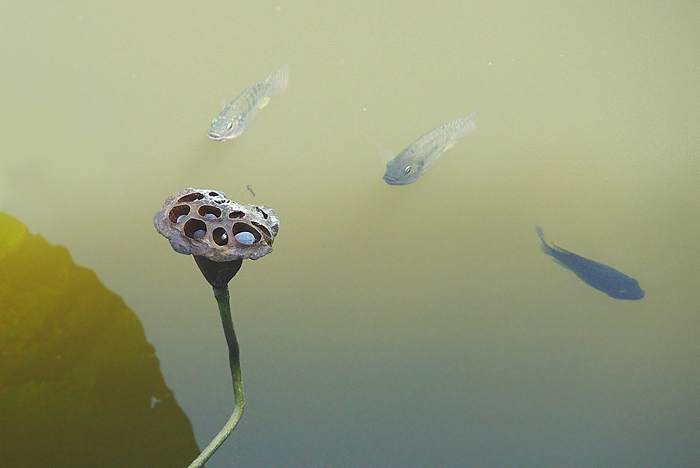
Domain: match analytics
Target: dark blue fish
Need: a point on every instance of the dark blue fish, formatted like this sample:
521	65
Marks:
602	277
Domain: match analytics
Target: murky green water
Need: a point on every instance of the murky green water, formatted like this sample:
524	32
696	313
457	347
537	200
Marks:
392	326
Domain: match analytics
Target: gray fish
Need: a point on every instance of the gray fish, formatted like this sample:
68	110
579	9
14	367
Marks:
237	115
602	277
419	156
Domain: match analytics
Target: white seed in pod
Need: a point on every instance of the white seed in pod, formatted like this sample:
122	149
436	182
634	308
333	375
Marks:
245	238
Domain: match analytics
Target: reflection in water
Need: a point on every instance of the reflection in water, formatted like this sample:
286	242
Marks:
79	384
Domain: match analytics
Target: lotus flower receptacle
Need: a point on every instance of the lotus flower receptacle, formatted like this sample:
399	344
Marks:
205	223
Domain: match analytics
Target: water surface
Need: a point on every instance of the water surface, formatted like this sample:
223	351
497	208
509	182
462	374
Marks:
410	326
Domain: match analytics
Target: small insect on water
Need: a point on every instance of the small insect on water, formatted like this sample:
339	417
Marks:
237	115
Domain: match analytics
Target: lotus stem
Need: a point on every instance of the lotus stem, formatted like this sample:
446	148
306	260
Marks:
223	299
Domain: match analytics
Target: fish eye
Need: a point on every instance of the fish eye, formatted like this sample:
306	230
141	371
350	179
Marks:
407	169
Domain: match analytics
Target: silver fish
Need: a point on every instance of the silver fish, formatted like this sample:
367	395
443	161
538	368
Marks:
236	116
419	156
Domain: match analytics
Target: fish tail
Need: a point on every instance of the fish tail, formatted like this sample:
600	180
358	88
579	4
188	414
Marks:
280	81
465	125
545	247
540	233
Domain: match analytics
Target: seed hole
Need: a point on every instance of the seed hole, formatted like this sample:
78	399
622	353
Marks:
261	212
266	233
209	212
219	235
195	229
236	214
178	212
191	197
240	228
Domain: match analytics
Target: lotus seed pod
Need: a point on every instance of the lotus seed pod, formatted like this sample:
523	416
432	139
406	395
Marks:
203	222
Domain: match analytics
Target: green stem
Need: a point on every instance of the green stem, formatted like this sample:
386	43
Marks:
222	298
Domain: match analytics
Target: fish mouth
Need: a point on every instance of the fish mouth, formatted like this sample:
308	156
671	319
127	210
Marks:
636	295
215	136
392	181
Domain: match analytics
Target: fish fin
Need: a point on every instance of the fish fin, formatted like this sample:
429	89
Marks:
237	131
245	123
280	81
550	247
249	123
263	102
385	152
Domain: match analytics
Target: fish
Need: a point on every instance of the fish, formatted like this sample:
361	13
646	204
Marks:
250	190
407	166
601	277
237	115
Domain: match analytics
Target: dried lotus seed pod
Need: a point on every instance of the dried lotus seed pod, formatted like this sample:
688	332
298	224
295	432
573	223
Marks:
205	223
